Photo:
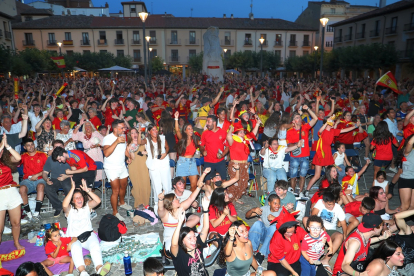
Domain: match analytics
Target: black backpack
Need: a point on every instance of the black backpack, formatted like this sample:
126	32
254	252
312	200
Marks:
111	228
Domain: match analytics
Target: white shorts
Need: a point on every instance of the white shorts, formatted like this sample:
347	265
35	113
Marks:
113	174
348	216
10	199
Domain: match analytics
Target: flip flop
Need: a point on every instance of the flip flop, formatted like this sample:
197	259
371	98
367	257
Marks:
328	269
104	269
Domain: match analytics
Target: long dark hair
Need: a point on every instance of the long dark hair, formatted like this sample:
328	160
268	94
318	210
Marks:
382	135
6	160
222	255
166	123
400	154
374	191
28	267
328	176
384	251
217	201
151	126
184	231
246	124
273	120
182	144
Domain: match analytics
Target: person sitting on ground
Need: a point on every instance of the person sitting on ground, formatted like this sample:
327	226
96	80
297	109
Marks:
287	198
355	210
341	161
237	252
261	231
381	181
33	269
153	267
349	187
32	162
382	205
385	260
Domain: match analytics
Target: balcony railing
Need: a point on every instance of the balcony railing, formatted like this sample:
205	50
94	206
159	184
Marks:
359	35
248	42
192	42
102	42
306	43
51	43
391	30
227	42
338	39
409	27
153	41
7	35
293	43
137	59
85	42
348	37
174	41
374	33
68	42
119	41
28	42
174	58
278	43
135	42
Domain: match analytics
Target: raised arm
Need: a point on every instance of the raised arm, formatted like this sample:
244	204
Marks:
217	98
176	235
229	136
68	198
187	203
23	131
313	115
204	231
234	179
177	127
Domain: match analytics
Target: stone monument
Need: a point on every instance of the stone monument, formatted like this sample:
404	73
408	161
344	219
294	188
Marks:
212	61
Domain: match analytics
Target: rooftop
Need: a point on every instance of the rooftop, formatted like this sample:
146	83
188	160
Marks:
23	9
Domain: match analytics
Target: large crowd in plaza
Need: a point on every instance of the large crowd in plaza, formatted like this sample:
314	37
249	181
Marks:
194	143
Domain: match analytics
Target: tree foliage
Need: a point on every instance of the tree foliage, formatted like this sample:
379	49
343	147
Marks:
249	59
157	64
196	63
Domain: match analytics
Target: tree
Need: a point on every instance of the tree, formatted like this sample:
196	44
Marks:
157	64
124	61
196	63
6	58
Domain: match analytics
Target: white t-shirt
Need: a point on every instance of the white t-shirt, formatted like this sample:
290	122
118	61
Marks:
186	194
272	160
117	159
330	218
229	100
382	185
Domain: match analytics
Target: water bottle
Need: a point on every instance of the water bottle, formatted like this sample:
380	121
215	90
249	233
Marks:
259	271
127	264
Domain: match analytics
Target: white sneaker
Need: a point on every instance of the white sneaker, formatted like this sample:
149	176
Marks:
394	170
367	158
84	273
121	218
24	221
301	194
93	214
36	217
7	230
290	189
126	207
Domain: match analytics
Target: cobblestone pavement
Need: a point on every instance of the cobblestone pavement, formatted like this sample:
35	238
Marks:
249	202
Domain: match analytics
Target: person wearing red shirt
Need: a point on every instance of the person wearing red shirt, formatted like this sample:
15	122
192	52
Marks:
293	135
111	112
222	121
221	212
82	166
159	106
355	210
59	117
349	138
57	249
32	162
96	122
182	105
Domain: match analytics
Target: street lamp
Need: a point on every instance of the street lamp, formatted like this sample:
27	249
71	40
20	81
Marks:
143	16
314	64
324	21
60	54
225	56
149	62
261	55
147	38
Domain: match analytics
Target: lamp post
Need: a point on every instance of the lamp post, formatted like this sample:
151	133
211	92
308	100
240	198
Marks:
60	54
143	16
324	21
225	57
147	38
314	64
149	62
261	55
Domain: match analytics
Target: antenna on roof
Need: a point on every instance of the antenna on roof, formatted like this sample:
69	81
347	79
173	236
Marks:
151	9
251	10
191	12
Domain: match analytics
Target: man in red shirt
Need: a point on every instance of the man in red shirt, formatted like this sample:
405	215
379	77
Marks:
158	108
293	135
355	210
82	166
32	162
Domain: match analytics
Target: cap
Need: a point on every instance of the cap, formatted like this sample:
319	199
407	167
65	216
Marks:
369	222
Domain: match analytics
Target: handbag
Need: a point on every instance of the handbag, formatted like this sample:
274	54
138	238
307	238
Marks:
298	151
84	236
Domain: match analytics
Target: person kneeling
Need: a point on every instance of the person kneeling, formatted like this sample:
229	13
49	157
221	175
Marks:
355	210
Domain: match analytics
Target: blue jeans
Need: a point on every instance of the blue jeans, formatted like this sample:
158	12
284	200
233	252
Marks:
32	185
295	163
272	175
341	174
186	167
260	234
307	268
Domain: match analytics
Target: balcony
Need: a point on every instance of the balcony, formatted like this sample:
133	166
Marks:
28	43
68	42
102	42
391	30
338	39
227	42
360	35
85	42
174	41
374	33
192	42
248	42
407	54
7	35
306	43
293	43
137	59
153	41
119	41
174	59
51	43
135	41
409	27
265	43
348	37
278	43
1	33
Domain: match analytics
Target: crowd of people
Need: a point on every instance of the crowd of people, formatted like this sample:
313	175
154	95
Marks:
213	135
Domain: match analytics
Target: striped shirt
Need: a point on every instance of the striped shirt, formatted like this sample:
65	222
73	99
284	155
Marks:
314	247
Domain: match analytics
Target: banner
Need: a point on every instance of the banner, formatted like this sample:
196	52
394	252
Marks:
16	88
388	80
60	61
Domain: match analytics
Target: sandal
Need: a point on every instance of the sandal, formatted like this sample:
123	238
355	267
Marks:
103	270
328	269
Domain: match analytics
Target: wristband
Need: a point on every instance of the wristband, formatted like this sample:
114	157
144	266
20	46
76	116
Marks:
175	119
205	211
8	148
160	199
237	169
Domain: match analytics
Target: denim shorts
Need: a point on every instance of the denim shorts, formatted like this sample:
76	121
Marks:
31	185
295	163
186	167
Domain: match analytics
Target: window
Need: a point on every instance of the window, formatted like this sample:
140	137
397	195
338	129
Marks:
248	39
333	10
227	37
350	31
278	53
394	21
377	26
292	41
192	37
103	51
52	39
153	36
135	37
174	55
29	39
102	35
329	29
305	53
340	32
69	52
68	36
192	53
174	37
137	55
119	53
85	39
132	8
153	53
292	53
278	41
119	39
86	51
306	41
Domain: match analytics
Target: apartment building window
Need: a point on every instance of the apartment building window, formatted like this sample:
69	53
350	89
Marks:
68	36
305	53
248	39
28	39
153	53
394	22
153	36
174	37
333	10
135	37
86	51
192	53
349	35
350	32
306	41
174	55
329	44
52	39
278	41
329	29
103	51
278	53
192	37
377	27
227	38
85	39
133	8
119	39
69	52
292	53
292	41
119	53
362	33
137	55
409	48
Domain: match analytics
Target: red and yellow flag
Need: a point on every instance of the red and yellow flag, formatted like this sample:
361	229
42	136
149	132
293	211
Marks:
60	61
389	81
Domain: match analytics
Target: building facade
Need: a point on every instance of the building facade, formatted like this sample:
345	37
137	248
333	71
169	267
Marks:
7	13
393	24
62	10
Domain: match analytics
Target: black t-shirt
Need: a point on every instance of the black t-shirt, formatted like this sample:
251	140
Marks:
76	112
406	242
185	265
374	108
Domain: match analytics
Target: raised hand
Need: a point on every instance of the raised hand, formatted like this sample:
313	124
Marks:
176	115
207	170
205	202
84	186
161	195
232	232
305	107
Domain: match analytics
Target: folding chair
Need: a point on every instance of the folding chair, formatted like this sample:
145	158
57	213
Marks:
257	148
252	175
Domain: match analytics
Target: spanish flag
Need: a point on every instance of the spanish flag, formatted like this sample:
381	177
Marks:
389	81
350	182
60	61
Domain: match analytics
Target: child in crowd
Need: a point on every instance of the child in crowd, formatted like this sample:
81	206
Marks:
313	246
381	181
153	267
261	231
350	184
57	249
355	210
341	161
287	198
